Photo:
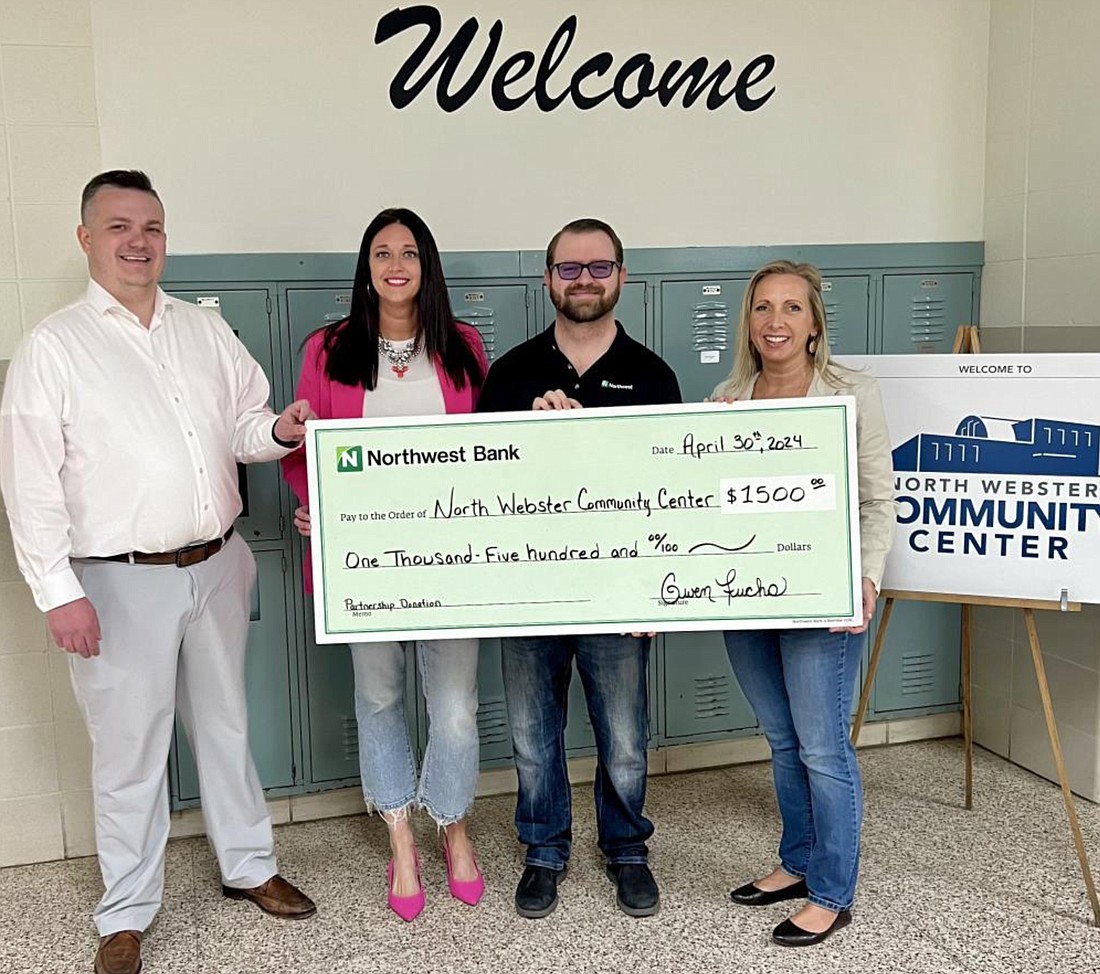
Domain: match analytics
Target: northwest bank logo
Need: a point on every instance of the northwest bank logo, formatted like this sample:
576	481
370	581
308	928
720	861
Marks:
1022	488
349	459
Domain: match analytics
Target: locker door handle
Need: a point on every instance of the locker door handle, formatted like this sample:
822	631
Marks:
242	487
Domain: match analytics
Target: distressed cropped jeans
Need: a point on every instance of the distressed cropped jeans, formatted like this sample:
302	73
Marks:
448	776
613	671
800	684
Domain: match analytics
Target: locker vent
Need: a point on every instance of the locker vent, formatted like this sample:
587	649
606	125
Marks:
918	673
832	316
492	722
710	326
927	322
712	696
351	739
481	317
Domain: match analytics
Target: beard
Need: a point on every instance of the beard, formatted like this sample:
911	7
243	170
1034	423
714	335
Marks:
585	305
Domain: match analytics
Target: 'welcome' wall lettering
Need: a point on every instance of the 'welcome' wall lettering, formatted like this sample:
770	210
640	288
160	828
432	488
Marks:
512	84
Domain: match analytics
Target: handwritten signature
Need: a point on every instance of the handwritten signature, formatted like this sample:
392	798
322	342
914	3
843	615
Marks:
673	592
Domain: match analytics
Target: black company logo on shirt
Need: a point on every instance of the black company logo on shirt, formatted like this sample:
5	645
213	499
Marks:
617	385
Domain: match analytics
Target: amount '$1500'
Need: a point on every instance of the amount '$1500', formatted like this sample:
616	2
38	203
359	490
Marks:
757	495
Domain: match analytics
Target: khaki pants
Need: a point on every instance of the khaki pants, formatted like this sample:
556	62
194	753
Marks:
172	639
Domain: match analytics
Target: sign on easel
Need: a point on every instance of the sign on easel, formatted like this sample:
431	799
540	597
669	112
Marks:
997	473
1021	467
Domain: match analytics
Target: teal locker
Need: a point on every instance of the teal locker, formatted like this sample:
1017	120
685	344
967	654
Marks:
631	311
698	322
497	311
920	312
702	698
847	323
267	678
328	711
700	691
310	308
249	314
330	708
919	668
848	326
492	712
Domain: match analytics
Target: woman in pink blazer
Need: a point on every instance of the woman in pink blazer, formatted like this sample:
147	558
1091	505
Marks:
400	353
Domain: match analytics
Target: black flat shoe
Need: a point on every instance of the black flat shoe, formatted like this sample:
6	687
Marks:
790	934
537	893
636	889
752	895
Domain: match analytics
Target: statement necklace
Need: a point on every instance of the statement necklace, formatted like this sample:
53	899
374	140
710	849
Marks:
399	358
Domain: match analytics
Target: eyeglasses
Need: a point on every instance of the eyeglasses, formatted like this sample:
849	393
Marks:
570	270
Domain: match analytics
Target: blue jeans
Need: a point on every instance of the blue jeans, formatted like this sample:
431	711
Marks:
536	687
448	778
800	683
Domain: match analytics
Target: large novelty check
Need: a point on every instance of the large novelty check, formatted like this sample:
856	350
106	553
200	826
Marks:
593	520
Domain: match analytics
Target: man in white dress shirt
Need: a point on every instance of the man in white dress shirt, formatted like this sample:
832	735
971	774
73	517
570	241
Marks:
123	418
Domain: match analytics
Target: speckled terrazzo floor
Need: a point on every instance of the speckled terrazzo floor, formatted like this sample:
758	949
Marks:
942	890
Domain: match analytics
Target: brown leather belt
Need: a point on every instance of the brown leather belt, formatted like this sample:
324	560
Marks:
193	554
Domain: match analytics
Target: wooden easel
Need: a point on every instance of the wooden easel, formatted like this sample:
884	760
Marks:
967	340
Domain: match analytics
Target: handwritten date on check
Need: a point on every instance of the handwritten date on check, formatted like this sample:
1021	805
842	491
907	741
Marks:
709	516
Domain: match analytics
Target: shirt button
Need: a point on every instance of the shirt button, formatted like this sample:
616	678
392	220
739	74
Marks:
206	507
189	433
577	386
201	470
177	398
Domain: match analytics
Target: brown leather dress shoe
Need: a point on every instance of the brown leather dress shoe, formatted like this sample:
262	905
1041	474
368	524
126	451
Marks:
119	953
277	897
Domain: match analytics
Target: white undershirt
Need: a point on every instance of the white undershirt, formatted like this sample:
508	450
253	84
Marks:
418	393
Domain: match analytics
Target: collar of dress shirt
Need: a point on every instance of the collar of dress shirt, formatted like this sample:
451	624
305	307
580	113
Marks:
103	302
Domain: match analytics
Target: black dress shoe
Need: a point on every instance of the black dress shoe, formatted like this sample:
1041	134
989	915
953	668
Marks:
637	893
790	934
752	895
537	892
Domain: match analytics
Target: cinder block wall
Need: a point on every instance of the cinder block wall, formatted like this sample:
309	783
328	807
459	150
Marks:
1041	293
49	144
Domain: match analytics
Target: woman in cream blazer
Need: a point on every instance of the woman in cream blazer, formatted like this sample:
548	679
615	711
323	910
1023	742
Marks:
800	681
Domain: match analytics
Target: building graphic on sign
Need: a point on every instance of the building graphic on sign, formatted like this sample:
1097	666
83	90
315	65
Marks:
989	444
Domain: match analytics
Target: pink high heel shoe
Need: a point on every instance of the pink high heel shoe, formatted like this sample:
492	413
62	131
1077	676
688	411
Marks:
406	907
469	891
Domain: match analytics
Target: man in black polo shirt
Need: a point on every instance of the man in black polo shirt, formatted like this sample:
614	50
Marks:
584	358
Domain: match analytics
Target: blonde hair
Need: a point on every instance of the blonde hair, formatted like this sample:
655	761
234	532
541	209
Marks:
747	360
